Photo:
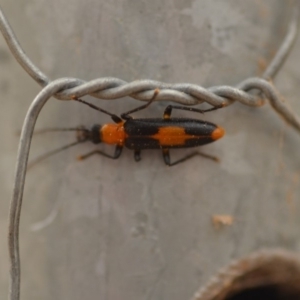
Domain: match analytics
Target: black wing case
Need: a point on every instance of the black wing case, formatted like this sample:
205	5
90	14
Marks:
147	133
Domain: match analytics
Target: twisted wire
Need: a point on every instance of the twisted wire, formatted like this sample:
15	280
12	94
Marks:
113	88
188	94
184	93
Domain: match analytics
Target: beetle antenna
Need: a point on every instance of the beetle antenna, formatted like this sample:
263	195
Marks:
50	153
114	117
44	130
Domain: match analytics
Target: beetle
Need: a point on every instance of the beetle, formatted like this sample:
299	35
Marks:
151	133
145	133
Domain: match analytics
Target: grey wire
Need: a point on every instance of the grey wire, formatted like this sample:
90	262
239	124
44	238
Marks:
113	88
22	159
286	46
19	53
184	93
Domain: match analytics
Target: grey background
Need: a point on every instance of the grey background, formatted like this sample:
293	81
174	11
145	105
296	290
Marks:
102	229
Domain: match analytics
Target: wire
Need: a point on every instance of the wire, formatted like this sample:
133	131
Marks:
187	94
113	88
286	46
19	53
22	159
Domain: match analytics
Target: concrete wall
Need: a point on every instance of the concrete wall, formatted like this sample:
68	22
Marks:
103	229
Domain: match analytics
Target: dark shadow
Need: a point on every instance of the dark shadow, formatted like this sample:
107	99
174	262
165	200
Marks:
265	275
269	292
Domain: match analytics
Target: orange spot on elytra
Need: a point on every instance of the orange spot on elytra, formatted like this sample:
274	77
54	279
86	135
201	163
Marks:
171	136
217	133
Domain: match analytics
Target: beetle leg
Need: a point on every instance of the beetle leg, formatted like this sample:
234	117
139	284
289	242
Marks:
168	110
118	151
126	115
137	155
166	156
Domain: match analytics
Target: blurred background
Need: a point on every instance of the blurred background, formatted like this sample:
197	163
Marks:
102	229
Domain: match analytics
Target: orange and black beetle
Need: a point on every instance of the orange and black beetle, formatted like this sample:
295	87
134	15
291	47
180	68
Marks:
151	133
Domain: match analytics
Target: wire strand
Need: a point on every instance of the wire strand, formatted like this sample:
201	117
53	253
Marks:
113	88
